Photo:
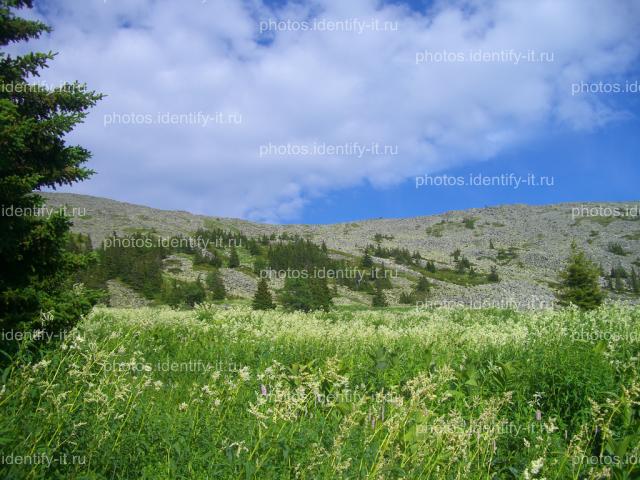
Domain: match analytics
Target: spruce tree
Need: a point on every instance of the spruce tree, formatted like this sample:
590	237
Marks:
379	300
579	282
635	286
216	285
37	271
423	285
234	260
262	300
367	261
305	294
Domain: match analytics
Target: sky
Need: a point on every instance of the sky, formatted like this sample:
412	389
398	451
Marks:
323	111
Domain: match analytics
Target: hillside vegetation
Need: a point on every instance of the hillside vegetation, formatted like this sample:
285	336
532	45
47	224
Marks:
525	246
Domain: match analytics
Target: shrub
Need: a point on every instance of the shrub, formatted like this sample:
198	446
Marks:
617	249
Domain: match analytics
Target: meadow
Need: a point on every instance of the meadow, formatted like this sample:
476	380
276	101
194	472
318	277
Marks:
233	393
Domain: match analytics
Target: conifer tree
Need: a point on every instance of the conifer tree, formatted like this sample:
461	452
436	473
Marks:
305	294
367	261
37	271
263	300
234	260
216	285
379	300
423	285
579	282
635	286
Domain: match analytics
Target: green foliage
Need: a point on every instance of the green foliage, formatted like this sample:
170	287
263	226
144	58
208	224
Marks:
234	260
305	294
579	282
400	255
298	254
423	285
435	394
259	265
379	299
204	257
263	300
635	284
135	259
367	261
616	249
180	293
37	269
469	222
406	298
216	285
493	275
506	256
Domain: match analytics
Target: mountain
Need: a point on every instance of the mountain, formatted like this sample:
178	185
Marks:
530	245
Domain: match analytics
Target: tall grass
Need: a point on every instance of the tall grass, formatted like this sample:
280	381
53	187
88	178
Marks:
214	393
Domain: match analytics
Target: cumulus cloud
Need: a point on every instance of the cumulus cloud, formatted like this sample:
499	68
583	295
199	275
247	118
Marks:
404	85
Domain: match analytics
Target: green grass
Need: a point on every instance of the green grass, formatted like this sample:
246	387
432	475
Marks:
404	393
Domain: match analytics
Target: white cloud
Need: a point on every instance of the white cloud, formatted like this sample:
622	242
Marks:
335	88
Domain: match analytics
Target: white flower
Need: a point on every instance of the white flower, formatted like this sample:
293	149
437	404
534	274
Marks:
182	407
536	466
207	390
244	373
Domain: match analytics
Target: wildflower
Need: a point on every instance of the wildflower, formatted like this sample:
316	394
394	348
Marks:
263	390
538	415
158	384
41	364
536	466
244	374
182	407
206	390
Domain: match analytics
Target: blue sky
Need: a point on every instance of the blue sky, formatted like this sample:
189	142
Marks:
211	104
598	166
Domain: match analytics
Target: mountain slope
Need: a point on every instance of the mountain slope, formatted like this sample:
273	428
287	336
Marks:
530	243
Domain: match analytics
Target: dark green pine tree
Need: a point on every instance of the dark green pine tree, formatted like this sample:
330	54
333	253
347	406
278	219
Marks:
216	285
634	284
234	260
579	282
305	294
263	300
379	300
37	270
367	261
